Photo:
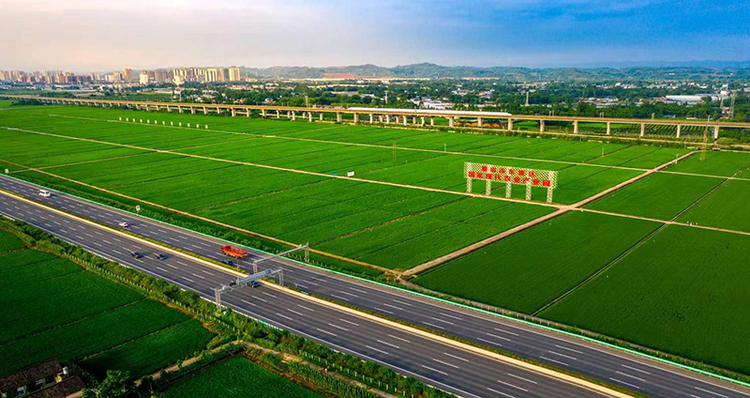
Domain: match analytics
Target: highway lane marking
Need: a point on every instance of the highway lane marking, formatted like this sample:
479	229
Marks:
313	283
499	337
162	269
196	275
171	266
98	233
456	357
295	312
319	279
501	393
399	338
57	223
636	369
388	344
97	244
433	325
512	385
629	375
248	302
349	322
306	308
258	298
568	349
301	285
339	297
553	360
382	310
117	251
711	392
451	316
401	302
357	290
445	363
268	294
443	320
562	355
207	272
507	332
628	384
393	306
378	350
350	294
490	342
522	378
106	241
435	370
284	316
338	327
187	279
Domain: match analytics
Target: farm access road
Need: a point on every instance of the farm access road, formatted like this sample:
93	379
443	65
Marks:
637	373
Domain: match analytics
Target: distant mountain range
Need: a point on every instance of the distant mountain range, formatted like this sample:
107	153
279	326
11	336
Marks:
694	70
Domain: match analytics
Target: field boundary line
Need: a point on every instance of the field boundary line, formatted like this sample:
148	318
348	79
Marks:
680	223
283	137
312	173
561	210
219	223
450	342
82	162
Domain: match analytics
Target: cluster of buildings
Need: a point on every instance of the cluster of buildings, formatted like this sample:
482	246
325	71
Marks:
177	76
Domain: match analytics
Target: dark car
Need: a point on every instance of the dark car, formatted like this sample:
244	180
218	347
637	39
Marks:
136	254
254	284
160	256
228	262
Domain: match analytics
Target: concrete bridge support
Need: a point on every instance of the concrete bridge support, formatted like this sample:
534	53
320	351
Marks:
294	115
338	117
421	121
263	113
432	121
192	110
510	124
406	120
541	126
479	122
575	127
356	118
372	117
309	117
387	119
321	116
716	132
247	112
278	114
451	121
205	110
679	130
609	128
234	112
643	129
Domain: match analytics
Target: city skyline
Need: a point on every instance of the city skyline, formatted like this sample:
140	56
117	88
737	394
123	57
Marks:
83	36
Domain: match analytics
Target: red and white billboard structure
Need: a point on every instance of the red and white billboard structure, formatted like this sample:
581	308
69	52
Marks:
531	178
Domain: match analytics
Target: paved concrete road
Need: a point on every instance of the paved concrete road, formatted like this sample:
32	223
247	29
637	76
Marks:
638	374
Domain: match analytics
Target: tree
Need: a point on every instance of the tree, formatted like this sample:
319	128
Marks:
115	385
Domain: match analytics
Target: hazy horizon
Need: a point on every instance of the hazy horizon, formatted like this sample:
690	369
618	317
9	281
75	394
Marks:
87	35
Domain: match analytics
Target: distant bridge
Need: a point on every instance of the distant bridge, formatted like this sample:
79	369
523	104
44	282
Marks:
406	117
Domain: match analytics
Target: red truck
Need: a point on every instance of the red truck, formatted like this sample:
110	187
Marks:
235	252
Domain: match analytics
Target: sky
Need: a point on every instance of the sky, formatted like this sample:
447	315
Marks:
105	35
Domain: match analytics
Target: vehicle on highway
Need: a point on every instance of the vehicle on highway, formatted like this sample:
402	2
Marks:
45	193
254	284
136	254
160	256
228	262
232	251
124	224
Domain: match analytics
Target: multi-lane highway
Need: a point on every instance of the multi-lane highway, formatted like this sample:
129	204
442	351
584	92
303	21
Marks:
423	358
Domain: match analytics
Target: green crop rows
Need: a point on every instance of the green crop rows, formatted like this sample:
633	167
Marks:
53	308
528	270
237	377
660	195
727	207
682	292
339	216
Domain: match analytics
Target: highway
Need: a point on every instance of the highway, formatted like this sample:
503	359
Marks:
441	365
422	359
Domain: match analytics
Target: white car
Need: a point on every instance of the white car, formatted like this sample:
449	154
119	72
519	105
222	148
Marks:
45	193
124	224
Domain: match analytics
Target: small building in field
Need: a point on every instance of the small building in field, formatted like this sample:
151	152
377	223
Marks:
47	379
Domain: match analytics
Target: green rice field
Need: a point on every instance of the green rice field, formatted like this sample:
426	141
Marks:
237	377
53	308
624	273
680	292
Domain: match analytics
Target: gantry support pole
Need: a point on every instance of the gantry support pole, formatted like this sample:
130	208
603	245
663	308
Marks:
541	126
